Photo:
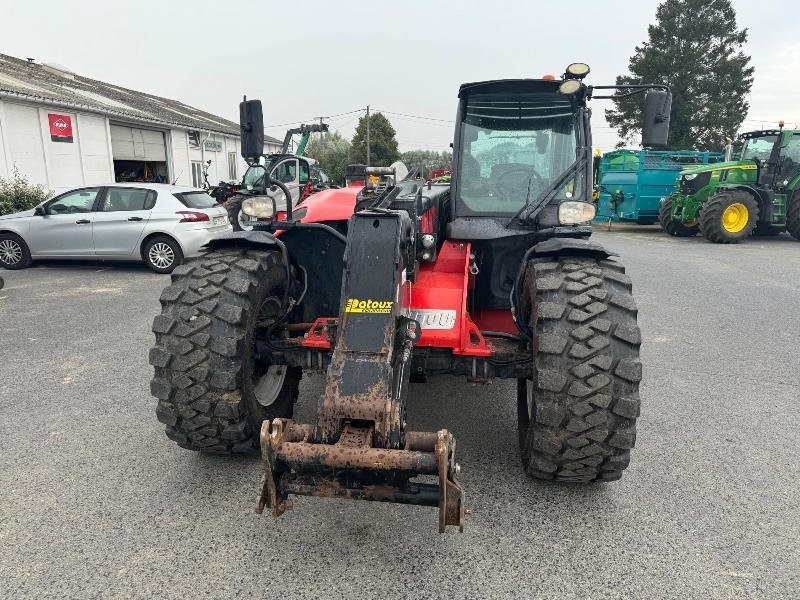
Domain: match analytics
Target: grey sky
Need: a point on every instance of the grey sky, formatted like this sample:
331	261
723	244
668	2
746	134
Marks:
311	58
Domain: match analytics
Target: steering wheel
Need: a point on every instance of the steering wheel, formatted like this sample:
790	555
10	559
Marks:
507	187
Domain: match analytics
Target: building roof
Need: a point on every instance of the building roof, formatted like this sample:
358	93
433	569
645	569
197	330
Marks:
58	86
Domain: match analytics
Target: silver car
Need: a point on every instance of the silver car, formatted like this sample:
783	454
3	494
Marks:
156	223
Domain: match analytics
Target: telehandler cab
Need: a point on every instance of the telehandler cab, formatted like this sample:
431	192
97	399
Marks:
491	275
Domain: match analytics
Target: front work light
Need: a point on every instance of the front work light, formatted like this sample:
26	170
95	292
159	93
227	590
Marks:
259	208
573	212
570	86
578	70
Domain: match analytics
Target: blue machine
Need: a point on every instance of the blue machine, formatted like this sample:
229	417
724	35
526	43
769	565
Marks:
632	182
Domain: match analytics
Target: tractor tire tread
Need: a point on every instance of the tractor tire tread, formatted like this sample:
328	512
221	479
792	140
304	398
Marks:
201	336
793	216
586	389
673	226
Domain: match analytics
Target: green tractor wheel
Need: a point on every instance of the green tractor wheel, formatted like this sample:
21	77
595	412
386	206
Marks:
672	225
793	216
729	217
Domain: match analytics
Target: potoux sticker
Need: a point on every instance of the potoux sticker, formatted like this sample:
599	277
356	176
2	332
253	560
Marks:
354	305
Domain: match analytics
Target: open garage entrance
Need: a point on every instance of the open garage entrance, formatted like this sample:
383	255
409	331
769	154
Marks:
139	154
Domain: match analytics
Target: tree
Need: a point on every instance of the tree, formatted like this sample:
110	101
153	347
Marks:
382	142
426	160
694	47
332	152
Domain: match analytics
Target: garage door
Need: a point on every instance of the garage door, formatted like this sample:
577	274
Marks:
131	143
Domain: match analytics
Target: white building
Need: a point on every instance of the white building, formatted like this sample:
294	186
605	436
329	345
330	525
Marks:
63	130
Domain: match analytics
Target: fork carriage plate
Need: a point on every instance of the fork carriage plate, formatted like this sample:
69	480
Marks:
353	469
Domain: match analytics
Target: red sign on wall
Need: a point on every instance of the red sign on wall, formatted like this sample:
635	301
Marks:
60	128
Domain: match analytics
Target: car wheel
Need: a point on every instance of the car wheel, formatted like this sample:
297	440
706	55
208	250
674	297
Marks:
162	254
14	252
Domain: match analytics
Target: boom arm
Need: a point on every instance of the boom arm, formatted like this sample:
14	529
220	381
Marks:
305	131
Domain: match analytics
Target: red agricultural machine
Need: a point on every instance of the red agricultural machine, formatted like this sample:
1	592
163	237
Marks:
491	275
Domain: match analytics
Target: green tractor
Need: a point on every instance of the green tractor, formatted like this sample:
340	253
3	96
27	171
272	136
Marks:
729	201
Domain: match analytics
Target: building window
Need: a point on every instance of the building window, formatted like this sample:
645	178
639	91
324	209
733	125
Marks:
197	173
232	162
194	139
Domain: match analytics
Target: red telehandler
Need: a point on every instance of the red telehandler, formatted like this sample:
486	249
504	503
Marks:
491	275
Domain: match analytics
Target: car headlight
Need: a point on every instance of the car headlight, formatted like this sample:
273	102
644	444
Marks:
572	213
259	208
689	176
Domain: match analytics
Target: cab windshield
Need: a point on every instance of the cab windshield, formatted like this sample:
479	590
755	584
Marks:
758	147
254	177
514	146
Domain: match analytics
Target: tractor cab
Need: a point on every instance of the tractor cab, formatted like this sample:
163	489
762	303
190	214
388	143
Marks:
520	150
781	165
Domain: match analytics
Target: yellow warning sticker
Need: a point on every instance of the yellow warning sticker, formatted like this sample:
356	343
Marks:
354	305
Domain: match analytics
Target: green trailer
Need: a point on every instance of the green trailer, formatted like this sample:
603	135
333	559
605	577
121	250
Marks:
729	201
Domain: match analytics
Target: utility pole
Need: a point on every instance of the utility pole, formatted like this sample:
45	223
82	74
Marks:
367	134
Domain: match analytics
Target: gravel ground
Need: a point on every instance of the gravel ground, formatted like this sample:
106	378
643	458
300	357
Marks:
96	502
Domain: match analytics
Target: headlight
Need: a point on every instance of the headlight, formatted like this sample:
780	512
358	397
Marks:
689	177
579	70
572	213
570	86
259	208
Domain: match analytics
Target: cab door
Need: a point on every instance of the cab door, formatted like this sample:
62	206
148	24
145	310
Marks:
287	171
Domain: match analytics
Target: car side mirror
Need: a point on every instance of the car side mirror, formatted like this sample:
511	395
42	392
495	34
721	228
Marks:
39	210
657	107
251	124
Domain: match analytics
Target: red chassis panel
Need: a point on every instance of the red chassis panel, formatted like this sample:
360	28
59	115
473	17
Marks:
438	300
439	303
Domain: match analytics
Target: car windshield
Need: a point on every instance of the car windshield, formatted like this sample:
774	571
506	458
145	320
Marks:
196	200
514	146
758	147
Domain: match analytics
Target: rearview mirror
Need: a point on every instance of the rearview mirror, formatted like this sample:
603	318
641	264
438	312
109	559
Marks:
657	107
251	124
39	210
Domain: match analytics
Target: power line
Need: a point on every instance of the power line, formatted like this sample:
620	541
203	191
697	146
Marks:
389	112
350	112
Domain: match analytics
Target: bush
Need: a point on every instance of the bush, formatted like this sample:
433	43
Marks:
16	194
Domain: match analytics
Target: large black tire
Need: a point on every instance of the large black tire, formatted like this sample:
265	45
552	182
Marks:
234	208
673	226
577	419
793	216
712	215
14	252
206	380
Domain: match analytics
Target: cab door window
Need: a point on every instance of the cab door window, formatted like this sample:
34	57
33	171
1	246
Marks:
304	173
285	172
790	158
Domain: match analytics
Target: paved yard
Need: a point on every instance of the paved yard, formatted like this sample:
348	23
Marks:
96	502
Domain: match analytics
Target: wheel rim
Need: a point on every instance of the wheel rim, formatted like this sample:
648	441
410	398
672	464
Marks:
245	225
161	255
530	399
268	386
10	252
735	217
